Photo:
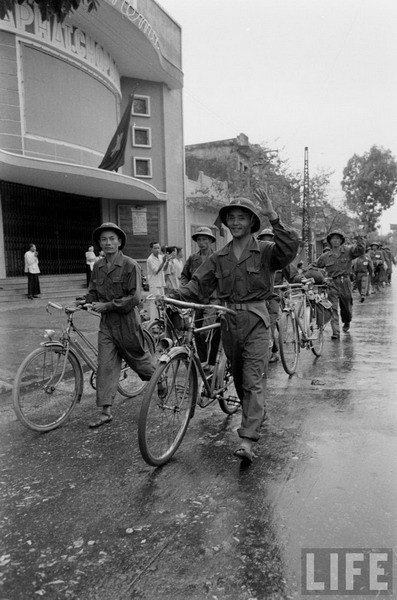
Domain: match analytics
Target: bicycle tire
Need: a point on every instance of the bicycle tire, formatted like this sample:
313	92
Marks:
288	341
39	405
130	384
316	332
229	400
162	423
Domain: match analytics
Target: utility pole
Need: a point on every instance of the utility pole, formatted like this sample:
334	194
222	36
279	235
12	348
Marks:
306	233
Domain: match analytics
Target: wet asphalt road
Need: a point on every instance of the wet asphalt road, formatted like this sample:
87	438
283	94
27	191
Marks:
83	517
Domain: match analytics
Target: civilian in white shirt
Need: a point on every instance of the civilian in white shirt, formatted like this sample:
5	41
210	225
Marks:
155	264
32	270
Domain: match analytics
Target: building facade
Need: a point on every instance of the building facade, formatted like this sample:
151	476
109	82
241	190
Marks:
63	89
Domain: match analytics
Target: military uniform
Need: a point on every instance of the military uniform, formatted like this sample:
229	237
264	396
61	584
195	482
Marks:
363	271
338	266
120	332
244	285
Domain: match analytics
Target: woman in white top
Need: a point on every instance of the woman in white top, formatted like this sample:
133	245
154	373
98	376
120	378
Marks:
32	270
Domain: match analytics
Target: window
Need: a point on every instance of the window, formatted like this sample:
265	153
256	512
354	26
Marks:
141	106
141	136
142	167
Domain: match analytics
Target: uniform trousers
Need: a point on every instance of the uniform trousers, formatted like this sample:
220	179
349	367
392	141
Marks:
120	337
362	282
245	340
340	294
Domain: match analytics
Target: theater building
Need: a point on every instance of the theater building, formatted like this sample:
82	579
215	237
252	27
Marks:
63	90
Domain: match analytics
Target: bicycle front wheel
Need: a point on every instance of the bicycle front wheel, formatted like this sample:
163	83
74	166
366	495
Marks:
130	384
163	421
47	386
228	400
288	341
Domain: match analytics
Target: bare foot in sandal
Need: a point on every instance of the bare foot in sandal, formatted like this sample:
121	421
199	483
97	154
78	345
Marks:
244	450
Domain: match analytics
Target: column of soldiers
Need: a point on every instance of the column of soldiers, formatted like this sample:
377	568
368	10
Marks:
373	270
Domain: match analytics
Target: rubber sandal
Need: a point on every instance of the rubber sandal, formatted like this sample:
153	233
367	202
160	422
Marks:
102	420
243	454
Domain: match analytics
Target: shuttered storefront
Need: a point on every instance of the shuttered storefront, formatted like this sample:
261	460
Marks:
59	224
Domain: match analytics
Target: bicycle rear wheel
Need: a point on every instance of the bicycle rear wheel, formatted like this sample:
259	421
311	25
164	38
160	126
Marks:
44	398
229	401
316	333
163	422
130	384
288	341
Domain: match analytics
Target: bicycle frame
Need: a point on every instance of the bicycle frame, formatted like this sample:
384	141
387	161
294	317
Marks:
210	392
67	342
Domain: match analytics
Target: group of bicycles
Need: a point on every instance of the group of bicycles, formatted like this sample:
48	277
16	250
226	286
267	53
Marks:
49	382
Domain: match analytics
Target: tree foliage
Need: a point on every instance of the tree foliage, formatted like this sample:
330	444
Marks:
49	8
370	184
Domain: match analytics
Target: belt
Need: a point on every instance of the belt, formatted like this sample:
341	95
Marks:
243	305
341	277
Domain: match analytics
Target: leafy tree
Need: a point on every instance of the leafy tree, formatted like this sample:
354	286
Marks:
370	183
49	8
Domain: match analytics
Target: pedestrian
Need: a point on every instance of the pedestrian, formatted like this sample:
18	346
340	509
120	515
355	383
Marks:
204	238
172	281
155	264
391	261
363	272
179	263
115	293
337	263
90	260
241	275
378	258
32	270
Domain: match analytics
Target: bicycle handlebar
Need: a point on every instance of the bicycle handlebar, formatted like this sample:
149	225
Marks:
183	304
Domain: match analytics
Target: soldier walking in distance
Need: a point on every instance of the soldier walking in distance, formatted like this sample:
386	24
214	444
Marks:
337	263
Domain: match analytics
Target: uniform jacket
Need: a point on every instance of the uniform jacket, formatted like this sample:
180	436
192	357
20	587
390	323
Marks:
120	287
192	264
362	265
248	280
340	264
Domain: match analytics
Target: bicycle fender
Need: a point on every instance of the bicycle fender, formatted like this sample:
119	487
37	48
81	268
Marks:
165	358
54	344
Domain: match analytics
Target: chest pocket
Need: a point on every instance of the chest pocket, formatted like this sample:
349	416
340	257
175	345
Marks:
116	285
254	278
225	282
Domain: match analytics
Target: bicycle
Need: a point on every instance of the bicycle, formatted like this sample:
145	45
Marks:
168	328
163	422
302	322
50	380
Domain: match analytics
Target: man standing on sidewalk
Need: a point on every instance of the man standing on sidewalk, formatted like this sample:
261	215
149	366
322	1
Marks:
337	263
242	275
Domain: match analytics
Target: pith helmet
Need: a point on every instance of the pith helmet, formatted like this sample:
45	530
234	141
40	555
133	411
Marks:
241	203
336	232
265	233
374	244
113	227
204	231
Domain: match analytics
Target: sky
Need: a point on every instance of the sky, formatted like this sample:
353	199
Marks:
291	74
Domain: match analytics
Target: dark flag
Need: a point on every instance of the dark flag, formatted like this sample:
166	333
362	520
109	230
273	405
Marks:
219	225
114	156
